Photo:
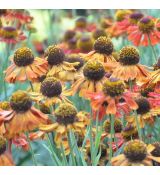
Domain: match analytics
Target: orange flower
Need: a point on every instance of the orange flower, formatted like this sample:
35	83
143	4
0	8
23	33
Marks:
25	67
91	80
130	20
103	49
22	116
130	158
10	34
128	67
5	156
107	102
144	32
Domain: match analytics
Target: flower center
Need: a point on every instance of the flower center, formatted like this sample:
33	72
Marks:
5	105
129	55
117	125
66	114
98	33
121	14
81	22
103	45
54	55
135	150
85	44
143	105
130	132
72	43
146	25
113	87
75	58
8	32
69	34
94	70
156	151
23	57
2	145
135	17
20	101
44	108
51	87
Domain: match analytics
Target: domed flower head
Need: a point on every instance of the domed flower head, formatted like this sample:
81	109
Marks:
128	67
25	66
98	33
146	114
5	156
109	100
51	92
9	34
130	132
91	80
56	60
22	116
103	48
144	33
67	118
136	153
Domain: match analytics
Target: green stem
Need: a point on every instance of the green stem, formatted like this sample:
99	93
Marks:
32	152
138	127
31	86
111	137
153	50
130	85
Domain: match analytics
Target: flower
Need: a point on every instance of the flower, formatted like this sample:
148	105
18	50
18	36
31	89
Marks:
128	67
67	118
130	132
130	20
5	105
22	117
85	44
98	33
91	80
57	64
144	32
25	66
103	48
145	113
73	58
108	101
51	92
81	24
9	34
155	151
5	156
136	153
117	125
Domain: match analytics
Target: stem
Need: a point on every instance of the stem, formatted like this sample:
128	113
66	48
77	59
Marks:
31	86
153	49
130	85
32	152
51	148
138	127
111	137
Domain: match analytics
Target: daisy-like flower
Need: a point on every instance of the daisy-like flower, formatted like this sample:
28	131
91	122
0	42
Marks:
57	64
5	156
108	101
136	153
22	16
129	132
128	67
73	58
144	33
67	118
22	117
98	33
145	113
81	24
51	92
25	66
85	44
154	79
103	48
91	80
130	20
9	34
